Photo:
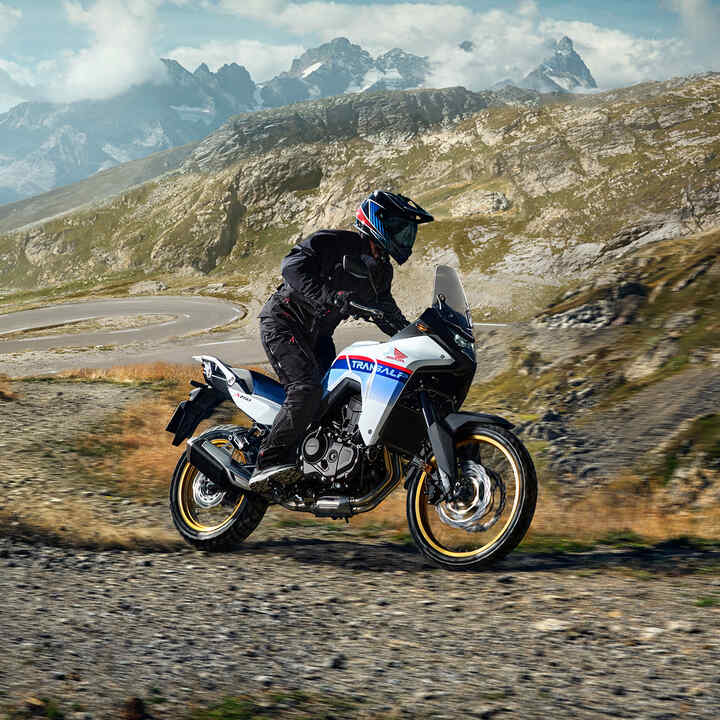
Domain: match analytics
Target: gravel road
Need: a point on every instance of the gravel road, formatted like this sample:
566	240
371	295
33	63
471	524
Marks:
613	633
540	637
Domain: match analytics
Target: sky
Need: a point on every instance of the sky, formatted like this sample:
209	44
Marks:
66	50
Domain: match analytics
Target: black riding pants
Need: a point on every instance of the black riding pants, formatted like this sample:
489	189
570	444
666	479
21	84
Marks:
300	362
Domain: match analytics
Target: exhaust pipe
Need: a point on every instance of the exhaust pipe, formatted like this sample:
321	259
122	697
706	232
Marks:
333	507
345	507
217	465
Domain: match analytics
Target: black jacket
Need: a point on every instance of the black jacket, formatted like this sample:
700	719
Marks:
313	272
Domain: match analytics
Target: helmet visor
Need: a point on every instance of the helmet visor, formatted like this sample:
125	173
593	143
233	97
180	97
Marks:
401	231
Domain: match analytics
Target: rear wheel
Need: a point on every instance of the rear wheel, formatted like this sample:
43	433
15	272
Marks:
493	508
207	516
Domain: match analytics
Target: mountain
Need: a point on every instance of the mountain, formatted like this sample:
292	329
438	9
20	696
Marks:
589	223
530	197
49	145
46	145
338	67
563	71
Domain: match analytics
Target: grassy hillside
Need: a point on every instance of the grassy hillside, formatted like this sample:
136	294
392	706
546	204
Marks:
529	200
97	188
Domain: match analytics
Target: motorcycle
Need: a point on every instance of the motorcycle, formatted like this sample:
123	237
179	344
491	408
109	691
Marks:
390	414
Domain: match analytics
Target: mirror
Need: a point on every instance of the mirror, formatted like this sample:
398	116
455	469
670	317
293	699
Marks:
354	266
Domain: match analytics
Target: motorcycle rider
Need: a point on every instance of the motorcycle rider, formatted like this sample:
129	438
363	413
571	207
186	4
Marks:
298	320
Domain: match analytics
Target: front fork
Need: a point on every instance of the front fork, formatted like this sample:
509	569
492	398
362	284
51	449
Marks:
442	443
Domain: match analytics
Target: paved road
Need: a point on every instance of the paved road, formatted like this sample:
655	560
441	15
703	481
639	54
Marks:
191	314
160	342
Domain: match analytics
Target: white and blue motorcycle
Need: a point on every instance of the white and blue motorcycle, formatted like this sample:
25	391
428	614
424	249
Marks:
390	414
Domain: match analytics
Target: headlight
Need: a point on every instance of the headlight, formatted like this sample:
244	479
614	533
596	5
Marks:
464	344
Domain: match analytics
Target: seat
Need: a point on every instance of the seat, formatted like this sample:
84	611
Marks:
268	387
245	378
256	383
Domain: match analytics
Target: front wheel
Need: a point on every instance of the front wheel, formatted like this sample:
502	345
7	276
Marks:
492	510
207	516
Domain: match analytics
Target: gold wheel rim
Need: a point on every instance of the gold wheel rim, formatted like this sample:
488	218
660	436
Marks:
421	509
185	493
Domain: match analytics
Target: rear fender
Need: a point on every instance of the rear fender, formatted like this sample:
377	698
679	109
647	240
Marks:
190	413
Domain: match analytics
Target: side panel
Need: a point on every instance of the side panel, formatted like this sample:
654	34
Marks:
260	409
383	369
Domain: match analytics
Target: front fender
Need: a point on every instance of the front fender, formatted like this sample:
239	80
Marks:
456	421
442	434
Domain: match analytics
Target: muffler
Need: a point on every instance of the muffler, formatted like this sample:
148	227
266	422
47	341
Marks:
333	507
217	465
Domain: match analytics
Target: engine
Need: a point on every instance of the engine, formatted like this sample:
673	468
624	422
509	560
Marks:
332	451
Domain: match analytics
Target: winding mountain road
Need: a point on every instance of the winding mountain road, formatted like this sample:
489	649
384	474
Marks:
187	333
175	340
190	314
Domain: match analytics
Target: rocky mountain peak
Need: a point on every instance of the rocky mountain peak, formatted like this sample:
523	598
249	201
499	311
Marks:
338	53
174	68
564	46
563	71
202	71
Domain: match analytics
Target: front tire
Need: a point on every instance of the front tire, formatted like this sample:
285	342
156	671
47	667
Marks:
495	511
207	517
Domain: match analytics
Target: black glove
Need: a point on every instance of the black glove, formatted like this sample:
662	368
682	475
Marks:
341	302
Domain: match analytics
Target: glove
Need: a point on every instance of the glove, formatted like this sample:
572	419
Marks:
341	302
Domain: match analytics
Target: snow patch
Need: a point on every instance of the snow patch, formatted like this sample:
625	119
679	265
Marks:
154	137
188	109
116	153
564	82
373	76
310	70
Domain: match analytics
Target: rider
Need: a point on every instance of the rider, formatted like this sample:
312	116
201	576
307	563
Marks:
297	322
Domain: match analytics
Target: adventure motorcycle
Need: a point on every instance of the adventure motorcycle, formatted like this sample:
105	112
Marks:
390	413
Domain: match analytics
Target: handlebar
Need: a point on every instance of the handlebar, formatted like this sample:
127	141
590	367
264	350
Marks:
372	312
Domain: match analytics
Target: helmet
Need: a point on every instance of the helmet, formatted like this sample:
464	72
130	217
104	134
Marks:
391	221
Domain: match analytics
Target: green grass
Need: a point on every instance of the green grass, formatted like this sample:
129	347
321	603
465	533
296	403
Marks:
38	708
702	438
708	601
296	705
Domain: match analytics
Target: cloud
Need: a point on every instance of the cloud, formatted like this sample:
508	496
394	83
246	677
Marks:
377	27
17	84
9	17
120	54
262	61
509	40
700	20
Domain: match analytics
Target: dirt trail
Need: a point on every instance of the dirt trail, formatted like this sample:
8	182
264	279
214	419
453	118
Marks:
632	633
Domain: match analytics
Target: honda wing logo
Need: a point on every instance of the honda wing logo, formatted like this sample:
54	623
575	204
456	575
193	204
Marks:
397	356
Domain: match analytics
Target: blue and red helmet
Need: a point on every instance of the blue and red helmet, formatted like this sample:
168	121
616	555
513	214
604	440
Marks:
391	221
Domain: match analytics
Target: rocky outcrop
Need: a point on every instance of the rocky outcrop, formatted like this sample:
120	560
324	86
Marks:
383	116
479	202
613	305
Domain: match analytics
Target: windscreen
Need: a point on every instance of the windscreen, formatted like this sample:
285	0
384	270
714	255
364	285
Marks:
449	291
